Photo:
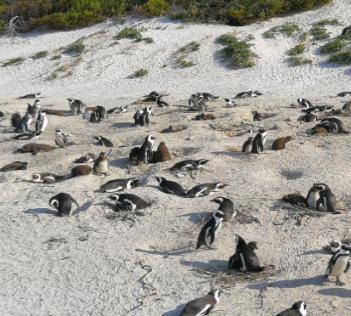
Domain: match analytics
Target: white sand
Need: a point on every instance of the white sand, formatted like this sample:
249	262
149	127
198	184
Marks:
98	270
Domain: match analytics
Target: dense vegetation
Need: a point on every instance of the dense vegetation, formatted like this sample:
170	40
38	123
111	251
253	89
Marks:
68	14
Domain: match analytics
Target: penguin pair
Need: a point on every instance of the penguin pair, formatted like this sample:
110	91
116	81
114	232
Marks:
142	117
321	198
210	229
63	203
245	258
255	145
203	305
339	264
61	139
128	202
98	115
143	154
248	94
102	141
76	106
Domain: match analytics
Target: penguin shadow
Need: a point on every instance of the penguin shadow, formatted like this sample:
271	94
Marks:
211	265
174	312
315	252
339	292
39	211
124	125
121	163
83	208
290	284
232	154
198	217
168	253
347	72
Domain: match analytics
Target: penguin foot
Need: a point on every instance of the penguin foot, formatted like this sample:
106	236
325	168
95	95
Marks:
338	282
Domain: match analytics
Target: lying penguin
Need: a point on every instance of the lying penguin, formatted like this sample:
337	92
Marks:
203	305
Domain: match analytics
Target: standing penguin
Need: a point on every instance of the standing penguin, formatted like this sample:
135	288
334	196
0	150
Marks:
245	258
101	164
226	206
247	146
210	229
298	309
203	305
41	123
327	200
61	140
23	125
144	153
259	141
312	197
142	117
339	263
170	187
63	203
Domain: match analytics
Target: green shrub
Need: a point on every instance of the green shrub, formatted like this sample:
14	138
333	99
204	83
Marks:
139	74
319	33
55	57
148	40
299	60
182	63
332	22
39	55
287	29
333	46
342	58
297	50
157	7
2	26
13	62
74	49
129	33
188	48
237	53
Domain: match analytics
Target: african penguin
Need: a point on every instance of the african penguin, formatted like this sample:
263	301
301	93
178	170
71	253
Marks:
304	103
23	125
210	229
298	309
151	97
81	170
248	94
128	202
344	94
205	189
63	203
46	177
226	206
339	263
161	103
188	166
14	166
170	187
31	96
279	143
76	106
144	153
118	185
327	200
142	117
86	158
41	123
61	139
102	141
203	305
259	141
312	197
230	102
247	146
101	164
35	148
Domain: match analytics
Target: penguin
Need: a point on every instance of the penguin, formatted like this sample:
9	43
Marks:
279	143
335	246
170	187
142	117
46	177
304	103
312	197
338	264
35	148
31	96
144	153
14	166
346	30
308	117
98	114
327	200
103	141
334	125
151	97
203	305
226	206
259	141
76	106
248	94
41	123
245	258
210	229
63	203
61	140
205	189
27	136
247	146
261	116
298	309
230	102
118	185
162	154
117	110
15	119
204	117
295	199
208	96
346	108
101	164
174	129
81	170
86	158
344	94
189	165
161	103
23	125
128	202
35	108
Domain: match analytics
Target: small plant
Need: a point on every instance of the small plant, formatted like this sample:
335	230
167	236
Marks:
303	36
148	40
139	74
40	55
189	48
332	22
157	7
342	58
334	46
75	49
299	61
297	50
182	63
319	33
55	57
287	29
129	33
237	53
13	62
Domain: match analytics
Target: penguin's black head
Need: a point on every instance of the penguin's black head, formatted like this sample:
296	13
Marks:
59	131
202	162
321	186
69	100
258	92
216	293
134	183
221	185
160	179
300	306
262	131
114	197
54	203
239	241
218	200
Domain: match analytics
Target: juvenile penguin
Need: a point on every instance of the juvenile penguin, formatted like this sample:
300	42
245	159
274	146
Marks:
76	106
15	119
279	143
82	170
14	166
295	199
103	141
339	263
312	197
86	158
210	229
46	177
101	164
170	187
35	148
118	185
298	309
203	305
226	206
61	140
327	200
162	154
259	141
63	203
245	257
247	146
205	189
128	202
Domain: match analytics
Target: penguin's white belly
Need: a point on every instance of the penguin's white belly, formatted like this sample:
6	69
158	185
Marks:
102	167
312	199
339	266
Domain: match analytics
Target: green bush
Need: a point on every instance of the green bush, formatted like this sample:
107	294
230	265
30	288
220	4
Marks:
188	48
237	53
75	49
2	26
299	61
287	29
342	58
39	55
139	74
129	33
157	7
319	33
332	22
297	50
183	63
333	46
13	62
